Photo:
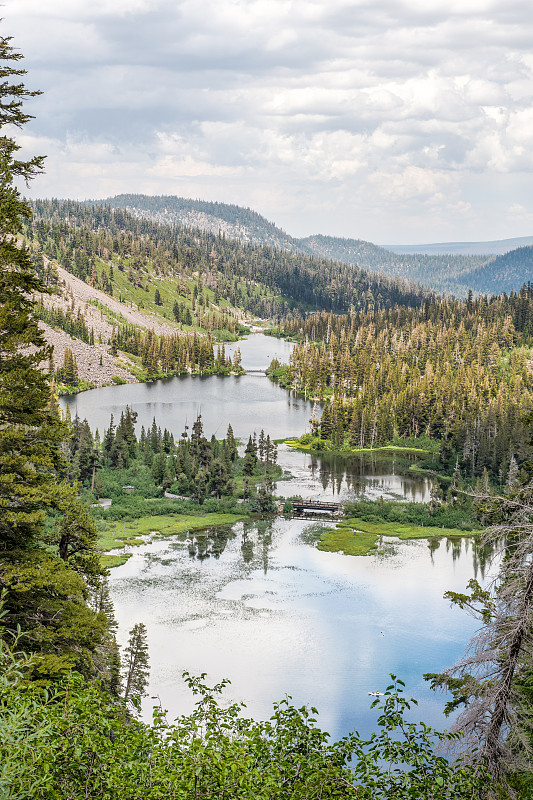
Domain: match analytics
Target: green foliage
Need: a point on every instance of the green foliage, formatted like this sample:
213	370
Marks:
504	273
30	432
492	681
357	537
260	279
66	321
447	273
70	741
21	735
47	570
344	539
400	761
49	599
461	516
68	372
202	471
451	376
136	666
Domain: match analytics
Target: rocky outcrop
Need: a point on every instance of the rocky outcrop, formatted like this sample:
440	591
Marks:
95	363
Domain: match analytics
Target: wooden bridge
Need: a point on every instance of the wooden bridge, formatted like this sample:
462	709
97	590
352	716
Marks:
314	506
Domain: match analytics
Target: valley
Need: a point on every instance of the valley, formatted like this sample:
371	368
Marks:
266	502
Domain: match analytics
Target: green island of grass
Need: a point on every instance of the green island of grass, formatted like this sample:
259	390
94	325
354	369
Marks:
356	537
310	443
119	534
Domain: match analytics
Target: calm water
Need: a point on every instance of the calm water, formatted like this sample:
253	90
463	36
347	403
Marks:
260	606
249	403
257	603
328	477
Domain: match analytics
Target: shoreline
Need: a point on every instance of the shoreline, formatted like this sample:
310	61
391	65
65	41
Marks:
307	448
151	379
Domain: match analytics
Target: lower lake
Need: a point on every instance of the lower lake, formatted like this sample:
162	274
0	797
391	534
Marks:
257	602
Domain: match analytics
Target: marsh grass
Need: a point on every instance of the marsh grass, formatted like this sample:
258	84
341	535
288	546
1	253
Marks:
356	537
118	535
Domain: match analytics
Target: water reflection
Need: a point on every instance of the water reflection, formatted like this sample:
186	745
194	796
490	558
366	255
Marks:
255	542
211	542
351	477
255	538
258	605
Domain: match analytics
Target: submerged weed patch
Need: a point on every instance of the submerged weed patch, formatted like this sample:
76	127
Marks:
120	535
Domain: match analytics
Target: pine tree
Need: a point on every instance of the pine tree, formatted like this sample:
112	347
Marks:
237	358
69	370
137	668
231	443
492	681
30	432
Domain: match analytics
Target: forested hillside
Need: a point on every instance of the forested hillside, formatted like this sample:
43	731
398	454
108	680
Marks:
97	243
446	273
459	372
233	221
504	273
454	272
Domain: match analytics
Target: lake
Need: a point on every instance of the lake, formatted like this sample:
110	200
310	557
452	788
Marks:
257	603
252	402
261	606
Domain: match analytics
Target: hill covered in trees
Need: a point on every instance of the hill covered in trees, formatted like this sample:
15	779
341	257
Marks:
455	271
456	371
448	273
230	220
504	272
99	244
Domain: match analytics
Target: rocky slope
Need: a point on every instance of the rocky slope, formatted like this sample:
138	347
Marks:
95	363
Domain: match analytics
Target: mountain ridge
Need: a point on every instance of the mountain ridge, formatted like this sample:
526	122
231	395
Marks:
490	247
454	273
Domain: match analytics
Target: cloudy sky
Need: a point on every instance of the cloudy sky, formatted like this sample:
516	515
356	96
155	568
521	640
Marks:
388	120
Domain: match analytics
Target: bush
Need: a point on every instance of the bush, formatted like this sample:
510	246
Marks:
72	741
460	516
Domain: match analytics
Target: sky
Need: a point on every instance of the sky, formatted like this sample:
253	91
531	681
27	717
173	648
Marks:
394	121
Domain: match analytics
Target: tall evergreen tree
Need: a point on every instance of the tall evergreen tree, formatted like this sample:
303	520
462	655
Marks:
136	664
45	573
30	433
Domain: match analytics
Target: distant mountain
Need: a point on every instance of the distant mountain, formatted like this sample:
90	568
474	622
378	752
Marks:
450	268
496	247
443	273
232	221
505	273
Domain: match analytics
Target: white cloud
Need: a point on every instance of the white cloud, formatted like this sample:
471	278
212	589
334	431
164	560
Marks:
351	115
